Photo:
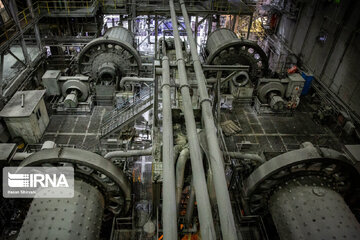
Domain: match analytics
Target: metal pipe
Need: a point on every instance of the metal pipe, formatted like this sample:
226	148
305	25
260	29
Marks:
228	228
190	206
180	170
134	79
204	208
249	156
169	204
131	153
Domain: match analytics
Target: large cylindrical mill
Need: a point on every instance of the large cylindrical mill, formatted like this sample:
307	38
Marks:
65	218
303	191
98	185
107	59
300	211
223	47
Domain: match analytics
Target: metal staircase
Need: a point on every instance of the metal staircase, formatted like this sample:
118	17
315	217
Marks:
127	112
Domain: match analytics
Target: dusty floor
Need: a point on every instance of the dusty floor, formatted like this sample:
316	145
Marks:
274	134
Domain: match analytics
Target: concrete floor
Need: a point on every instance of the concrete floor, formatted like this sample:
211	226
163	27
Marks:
270	134
82	131
274	134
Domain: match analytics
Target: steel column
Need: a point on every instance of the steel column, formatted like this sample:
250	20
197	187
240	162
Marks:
249	28
14	13
36	27
1	73
202	195
216	160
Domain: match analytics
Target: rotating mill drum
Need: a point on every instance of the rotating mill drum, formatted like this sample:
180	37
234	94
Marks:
306	193
107	59
223	47
99	185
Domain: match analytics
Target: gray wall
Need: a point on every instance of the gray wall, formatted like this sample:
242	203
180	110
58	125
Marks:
336	62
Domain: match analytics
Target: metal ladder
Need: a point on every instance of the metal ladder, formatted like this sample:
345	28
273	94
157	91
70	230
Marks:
127	112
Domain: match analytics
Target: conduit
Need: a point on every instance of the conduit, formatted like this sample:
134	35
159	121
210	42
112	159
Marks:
130	153
169	201
180	169
254	157
228	228
202	196
134	79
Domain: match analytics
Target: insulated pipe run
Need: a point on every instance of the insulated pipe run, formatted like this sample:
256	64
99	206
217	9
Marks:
169	204
134	79
180	169
254	157
202	196
190	206
228	228
131	153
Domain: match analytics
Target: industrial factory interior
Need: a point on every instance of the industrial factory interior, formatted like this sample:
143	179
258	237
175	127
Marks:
182	119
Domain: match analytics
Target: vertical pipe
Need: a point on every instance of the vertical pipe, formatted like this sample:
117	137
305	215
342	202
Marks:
169	200
180	170
1	73
228	228
249	28
156	36
36	27
196	27
210	25
190	206
202	195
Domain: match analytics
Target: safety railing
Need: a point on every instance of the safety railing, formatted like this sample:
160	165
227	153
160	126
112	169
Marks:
67	7
222	6
138	98
9	28
53	7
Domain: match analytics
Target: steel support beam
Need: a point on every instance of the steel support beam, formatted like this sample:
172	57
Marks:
36	27
202	196
14	13
17	59
249	28
228	228
1	72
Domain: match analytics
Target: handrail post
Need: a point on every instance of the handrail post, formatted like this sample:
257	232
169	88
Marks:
47	6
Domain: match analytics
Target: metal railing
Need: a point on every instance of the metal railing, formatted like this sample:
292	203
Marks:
48	8
135	100
45	8
51	7
9	28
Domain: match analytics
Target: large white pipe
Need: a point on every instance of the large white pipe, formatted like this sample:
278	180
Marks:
134	79
130	153
254	157
202	196
228	228
169	204
180	170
